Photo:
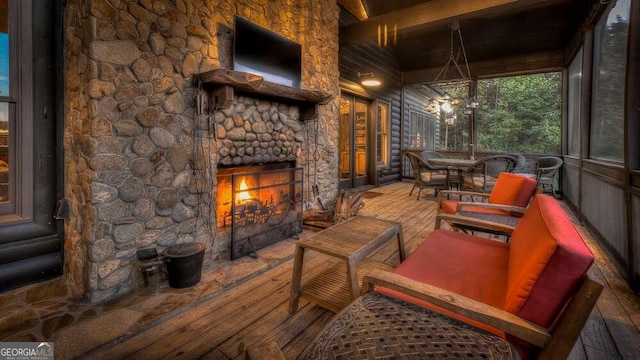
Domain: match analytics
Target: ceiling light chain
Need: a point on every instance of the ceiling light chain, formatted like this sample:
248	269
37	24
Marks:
442	75
464	52
441	78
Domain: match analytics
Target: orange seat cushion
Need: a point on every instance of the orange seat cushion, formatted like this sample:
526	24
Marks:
527	190
544	224
507	189
449	206
484	210
531	248
526	194
465	264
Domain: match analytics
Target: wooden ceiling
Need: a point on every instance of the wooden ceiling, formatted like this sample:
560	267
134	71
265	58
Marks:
500	36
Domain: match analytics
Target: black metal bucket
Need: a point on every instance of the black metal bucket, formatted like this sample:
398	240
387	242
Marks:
184	264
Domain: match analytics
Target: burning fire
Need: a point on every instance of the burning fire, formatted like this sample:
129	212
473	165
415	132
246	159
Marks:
243	195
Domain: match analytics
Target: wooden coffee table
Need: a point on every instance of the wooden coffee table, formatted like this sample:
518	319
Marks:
350	241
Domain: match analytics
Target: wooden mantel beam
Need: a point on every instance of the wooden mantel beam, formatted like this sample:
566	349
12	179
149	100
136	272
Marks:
429	14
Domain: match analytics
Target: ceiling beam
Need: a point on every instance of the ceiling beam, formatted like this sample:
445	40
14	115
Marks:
355	7
541	61
432	14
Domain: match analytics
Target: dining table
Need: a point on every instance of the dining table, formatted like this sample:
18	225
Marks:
454	164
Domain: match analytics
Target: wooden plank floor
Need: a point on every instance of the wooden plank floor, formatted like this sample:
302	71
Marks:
256	310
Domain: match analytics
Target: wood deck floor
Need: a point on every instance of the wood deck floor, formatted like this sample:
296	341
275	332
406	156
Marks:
225	324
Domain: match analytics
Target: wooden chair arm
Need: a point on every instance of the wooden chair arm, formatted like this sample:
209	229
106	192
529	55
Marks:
465	220
512	208
469	308
442	193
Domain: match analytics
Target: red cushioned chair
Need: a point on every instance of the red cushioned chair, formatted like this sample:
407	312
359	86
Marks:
533	291
497	212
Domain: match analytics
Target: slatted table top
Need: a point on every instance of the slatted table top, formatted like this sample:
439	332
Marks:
354	238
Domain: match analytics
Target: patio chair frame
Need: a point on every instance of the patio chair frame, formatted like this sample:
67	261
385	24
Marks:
482	168
419	166
547	168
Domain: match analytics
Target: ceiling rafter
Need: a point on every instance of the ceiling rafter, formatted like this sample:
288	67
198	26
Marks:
432	14
514	65
355	7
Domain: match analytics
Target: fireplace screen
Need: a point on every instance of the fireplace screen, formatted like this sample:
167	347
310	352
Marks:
259	205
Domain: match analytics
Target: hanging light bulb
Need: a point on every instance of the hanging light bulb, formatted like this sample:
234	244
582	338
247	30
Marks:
446	106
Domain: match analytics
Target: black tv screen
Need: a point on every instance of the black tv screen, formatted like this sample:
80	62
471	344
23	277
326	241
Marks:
259	51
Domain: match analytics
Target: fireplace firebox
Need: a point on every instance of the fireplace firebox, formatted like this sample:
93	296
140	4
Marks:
259	205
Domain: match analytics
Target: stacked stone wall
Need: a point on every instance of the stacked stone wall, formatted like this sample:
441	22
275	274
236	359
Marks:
131	125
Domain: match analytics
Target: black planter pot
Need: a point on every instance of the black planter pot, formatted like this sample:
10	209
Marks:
184	264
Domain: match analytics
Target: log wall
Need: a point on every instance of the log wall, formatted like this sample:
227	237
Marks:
369	57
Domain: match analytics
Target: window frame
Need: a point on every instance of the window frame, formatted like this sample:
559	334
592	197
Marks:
19	208
383	151
595	59
574	120
427	130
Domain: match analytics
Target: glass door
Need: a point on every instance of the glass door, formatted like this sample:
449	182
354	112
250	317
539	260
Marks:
353	142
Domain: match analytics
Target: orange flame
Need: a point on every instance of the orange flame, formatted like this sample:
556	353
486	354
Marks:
243	196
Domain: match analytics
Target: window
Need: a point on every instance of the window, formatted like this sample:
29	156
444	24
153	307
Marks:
382	135
4	157
520	114
6	120
573	105
30	241
16	120
421	130
609	74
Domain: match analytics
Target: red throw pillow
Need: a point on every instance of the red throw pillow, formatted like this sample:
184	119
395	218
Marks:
507	189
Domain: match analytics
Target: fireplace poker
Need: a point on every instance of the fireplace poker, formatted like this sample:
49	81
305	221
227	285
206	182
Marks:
316	157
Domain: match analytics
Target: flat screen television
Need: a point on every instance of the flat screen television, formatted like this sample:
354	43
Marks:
262	52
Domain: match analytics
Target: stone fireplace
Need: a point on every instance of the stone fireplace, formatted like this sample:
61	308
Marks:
141	160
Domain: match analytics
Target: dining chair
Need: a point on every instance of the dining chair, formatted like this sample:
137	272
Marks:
521	163
426	175
546	169
482	176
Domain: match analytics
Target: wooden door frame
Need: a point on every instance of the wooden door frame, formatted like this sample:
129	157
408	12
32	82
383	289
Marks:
369	178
